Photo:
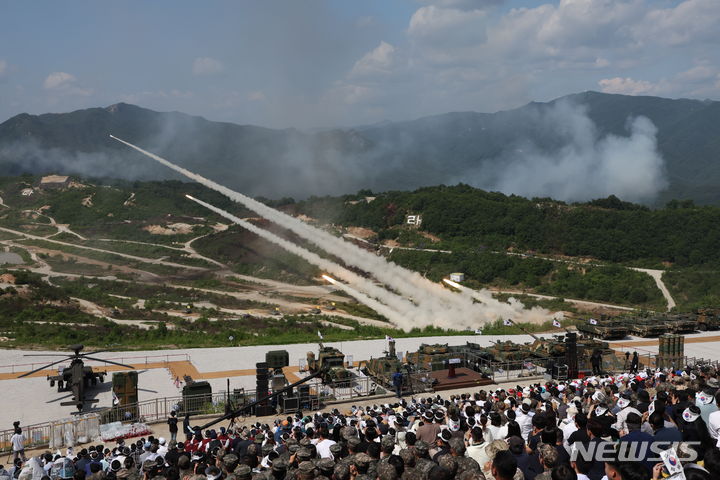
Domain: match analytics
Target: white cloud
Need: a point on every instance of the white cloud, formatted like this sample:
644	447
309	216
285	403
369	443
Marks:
207	66
58	80
627	86
377	61
447	27
66	84
463	4
256	96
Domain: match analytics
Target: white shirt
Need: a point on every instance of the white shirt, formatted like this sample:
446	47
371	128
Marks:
714	426
323	449
525	421
18	442
568	429
495	433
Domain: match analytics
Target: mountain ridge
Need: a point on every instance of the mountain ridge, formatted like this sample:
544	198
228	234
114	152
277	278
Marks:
439	149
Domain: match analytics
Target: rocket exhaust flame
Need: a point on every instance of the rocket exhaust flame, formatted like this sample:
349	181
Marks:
435	305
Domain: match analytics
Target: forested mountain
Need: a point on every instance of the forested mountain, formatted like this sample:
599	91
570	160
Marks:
451	148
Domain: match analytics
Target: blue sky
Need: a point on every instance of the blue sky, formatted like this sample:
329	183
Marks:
308	63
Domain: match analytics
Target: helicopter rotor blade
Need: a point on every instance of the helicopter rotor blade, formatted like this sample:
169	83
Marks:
41	368
49	355
93	353
111	362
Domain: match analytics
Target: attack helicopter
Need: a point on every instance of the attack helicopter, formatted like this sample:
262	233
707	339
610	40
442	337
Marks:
77	376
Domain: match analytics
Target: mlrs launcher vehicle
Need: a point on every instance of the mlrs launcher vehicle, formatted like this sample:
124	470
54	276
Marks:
605	328
331	361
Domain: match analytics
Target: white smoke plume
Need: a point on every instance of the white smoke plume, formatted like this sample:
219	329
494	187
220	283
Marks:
438	306
363	284
585	166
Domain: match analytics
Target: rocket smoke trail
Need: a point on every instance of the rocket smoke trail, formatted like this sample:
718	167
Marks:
361	283
438	305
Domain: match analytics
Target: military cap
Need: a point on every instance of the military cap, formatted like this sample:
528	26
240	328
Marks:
304	454
293	448
342	470
326	466
449	462
149	465
349	432
230	460
354	443
362	460
243	472
458	445
408	457
260	438
266	449
387	441
253	449
422	447
279	465
336	449
386	471
305	441
306	467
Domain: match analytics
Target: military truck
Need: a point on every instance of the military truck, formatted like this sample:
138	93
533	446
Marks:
707	318
605	328
332	360
646	326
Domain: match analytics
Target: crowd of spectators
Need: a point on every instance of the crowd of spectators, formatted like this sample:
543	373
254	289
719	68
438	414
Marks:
611	427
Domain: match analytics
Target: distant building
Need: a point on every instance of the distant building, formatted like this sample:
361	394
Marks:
55	181
457	277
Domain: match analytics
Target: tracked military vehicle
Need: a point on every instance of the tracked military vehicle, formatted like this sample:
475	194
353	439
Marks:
707	318
646	327
431	357
332	360
383	368
605	328
682	323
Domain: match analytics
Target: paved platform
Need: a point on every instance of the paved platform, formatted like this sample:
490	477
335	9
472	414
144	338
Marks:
31	400
464	378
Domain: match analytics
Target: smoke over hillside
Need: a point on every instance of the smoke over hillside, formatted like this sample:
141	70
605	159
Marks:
584	165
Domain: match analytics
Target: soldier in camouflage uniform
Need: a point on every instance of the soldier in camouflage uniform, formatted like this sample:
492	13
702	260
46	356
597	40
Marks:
464	464
386	471
279	469
243	472
423	464
361	464
408	458
229	464
305	471
387	445
325	467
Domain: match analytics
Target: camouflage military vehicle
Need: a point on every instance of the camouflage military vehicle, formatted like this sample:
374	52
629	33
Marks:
432	357
682	323
332	360
554	347
707	318
383	368
645	326
605	328
509	351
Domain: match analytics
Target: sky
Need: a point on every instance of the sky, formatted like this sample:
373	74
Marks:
327	63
